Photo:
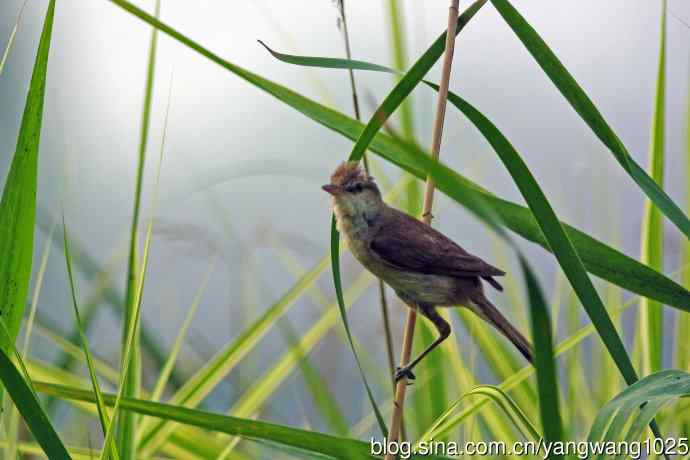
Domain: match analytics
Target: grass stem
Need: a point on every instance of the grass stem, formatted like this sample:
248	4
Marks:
401	385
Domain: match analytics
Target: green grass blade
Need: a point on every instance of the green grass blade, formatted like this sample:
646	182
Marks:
309	441
584	106
126	426
101	276
100	405
164	375
13	424
251	401
323	397
652	235
203	381
654	391
30	408
543	358
600	259
13	35
553	231
335	267
507	405
18	204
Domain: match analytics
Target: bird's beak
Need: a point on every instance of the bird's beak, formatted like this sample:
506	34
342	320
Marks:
332	189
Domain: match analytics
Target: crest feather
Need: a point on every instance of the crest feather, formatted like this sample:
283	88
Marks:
347	172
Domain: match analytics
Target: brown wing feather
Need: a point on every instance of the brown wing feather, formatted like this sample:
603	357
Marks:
409	244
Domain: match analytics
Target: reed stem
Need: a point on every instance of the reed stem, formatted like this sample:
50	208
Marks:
401	386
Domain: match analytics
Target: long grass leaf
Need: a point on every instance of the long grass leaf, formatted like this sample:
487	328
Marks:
641	401
18	204
584	106
203	381
165	372
509	407
30	408
600	259
652	235
323	397
102	278
13	424
544	358
126	427
309	441
100	405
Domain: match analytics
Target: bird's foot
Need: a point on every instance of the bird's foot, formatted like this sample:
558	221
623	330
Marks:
401	372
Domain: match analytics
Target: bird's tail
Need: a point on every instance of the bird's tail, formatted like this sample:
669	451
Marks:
487	311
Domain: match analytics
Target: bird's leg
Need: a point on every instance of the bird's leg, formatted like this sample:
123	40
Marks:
429	311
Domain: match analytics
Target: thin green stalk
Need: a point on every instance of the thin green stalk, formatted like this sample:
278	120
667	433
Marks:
101	277
164	375
383	302
652	235
13	35
126	427
102	411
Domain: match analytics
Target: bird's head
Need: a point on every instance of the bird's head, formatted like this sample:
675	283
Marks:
353	191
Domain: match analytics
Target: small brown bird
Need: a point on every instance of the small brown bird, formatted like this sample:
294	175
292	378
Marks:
424	267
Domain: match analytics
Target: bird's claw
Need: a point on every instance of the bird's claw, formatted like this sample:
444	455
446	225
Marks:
401	372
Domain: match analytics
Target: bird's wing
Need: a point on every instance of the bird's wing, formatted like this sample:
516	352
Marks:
411	245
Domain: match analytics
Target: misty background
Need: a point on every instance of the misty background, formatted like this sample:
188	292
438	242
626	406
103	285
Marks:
240	168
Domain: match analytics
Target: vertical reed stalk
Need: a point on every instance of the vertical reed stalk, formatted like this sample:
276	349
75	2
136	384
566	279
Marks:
426	215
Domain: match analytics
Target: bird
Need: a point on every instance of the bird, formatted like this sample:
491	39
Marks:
425	268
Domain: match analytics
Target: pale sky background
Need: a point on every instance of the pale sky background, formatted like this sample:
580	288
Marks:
231	144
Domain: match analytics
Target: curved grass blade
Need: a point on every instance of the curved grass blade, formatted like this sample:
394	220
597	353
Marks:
101	276
203	381
641	400
584	106
250	401
318	387
100	405
165	372
600	259
309	441
126	424
509	407
652	235
544	359
18	204
30	408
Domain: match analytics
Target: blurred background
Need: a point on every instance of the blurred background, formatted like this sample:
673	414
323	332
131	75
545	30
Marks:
241	173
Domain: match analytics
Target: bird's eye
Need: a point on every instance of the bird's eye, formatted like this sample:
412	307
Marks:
356	188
